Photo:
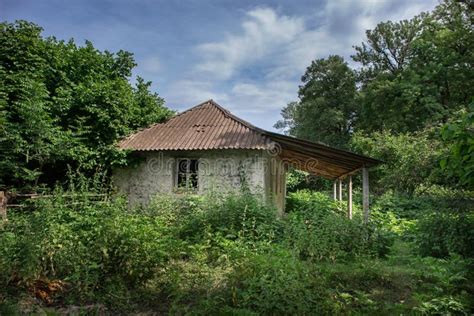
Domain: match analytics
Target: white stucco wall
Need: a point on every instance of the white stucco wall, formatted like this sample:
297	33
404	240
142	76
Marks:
218	170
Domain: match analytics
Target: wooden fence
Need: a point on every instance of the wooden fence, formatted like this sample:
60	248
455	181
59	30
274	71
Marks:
7	197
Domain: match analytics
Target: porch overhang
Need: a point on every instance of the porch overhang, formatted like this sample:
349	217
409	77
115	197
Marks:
319	159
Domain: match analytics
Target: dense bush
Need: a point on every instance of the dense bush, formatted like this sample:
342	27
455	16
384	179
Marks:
439	220
95	246
275	283
233	215
402	206
317	228
446	232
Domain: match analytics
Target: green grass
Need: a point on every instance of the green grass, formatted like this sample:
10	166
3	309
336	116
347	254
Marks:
230	256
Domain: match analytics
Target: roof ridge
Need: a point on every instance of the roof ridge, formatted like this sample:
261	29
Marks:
193	108
171	118
236	118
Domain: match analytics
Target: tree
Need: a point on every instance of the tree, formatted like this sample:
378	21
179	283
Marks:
416	73
63	105
388	48
326	108
459	161
410	159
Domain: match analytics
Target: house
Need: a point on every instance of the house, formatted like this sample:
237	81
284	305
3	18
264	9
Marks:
207	148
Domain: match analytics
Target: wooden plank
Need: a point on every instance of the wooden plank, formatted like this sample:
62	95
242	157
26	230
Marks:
321	164
345	163
335	151
322	150
350	173
3	205
334	187
340	189
300	165
349	197
365	194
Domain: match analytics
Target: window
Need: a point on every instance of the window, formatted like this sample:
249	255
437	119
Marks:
187	173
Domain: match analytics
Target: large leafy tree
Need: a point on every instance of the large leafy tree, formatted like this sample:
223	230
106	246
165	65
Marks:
64	105
326	108
416	73
415	76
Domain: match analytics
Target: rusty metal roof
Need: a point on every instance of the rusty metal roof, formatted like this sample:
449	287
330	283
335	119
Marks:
209	126
204	126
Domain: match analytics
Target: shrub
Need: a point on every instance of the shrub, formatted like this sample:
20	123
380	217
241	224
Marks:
444	232
317	229
447	305
275	283
95	246
232	215
310	201
403	206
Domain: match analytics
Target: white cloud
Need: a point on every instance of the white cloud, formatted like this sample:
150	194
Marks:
278	48
263	31
262	97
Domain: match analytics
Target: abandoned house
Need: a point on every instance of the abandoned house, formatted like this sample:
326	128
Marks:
207	148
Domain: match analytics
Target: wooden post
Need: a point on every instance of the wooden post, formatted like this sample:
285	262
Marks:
340	190
365	194
334	187
3	205
349	198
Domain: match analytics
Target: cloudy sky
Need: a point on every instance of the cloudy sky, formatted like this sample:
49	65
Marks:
246	55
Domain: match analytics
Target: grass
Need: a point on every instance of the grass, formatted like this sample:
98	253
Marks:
399	284
231	257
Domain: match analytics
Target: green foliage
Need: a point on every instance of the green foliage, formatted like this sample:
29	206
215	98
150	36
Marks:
446	232
309	201
208	254
398	284
410	160
402	206
318	229
274	283
326	110
95	246
460	159
63	104
232	215
410	78
447	305
300	180
410	73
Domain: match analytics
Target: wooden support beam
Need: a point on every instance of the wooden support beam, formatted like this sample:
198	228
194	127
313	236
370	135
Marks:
365	194
342	176
349	197
334	187
3	205
340	189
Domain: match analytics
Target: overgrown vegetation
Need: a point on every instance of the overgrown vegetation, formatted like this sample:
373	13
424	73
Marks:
80	249
207	254
65	105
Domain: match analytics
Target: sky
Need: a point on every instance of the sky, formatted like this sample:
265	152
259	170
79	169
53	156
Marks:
248	56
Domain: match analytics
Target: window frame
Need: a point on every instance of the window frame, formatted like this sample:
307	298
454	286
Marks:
188	174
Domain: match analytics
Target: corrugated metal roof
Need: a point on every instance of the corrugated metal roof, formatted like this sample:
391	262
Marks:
209	126
205	126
